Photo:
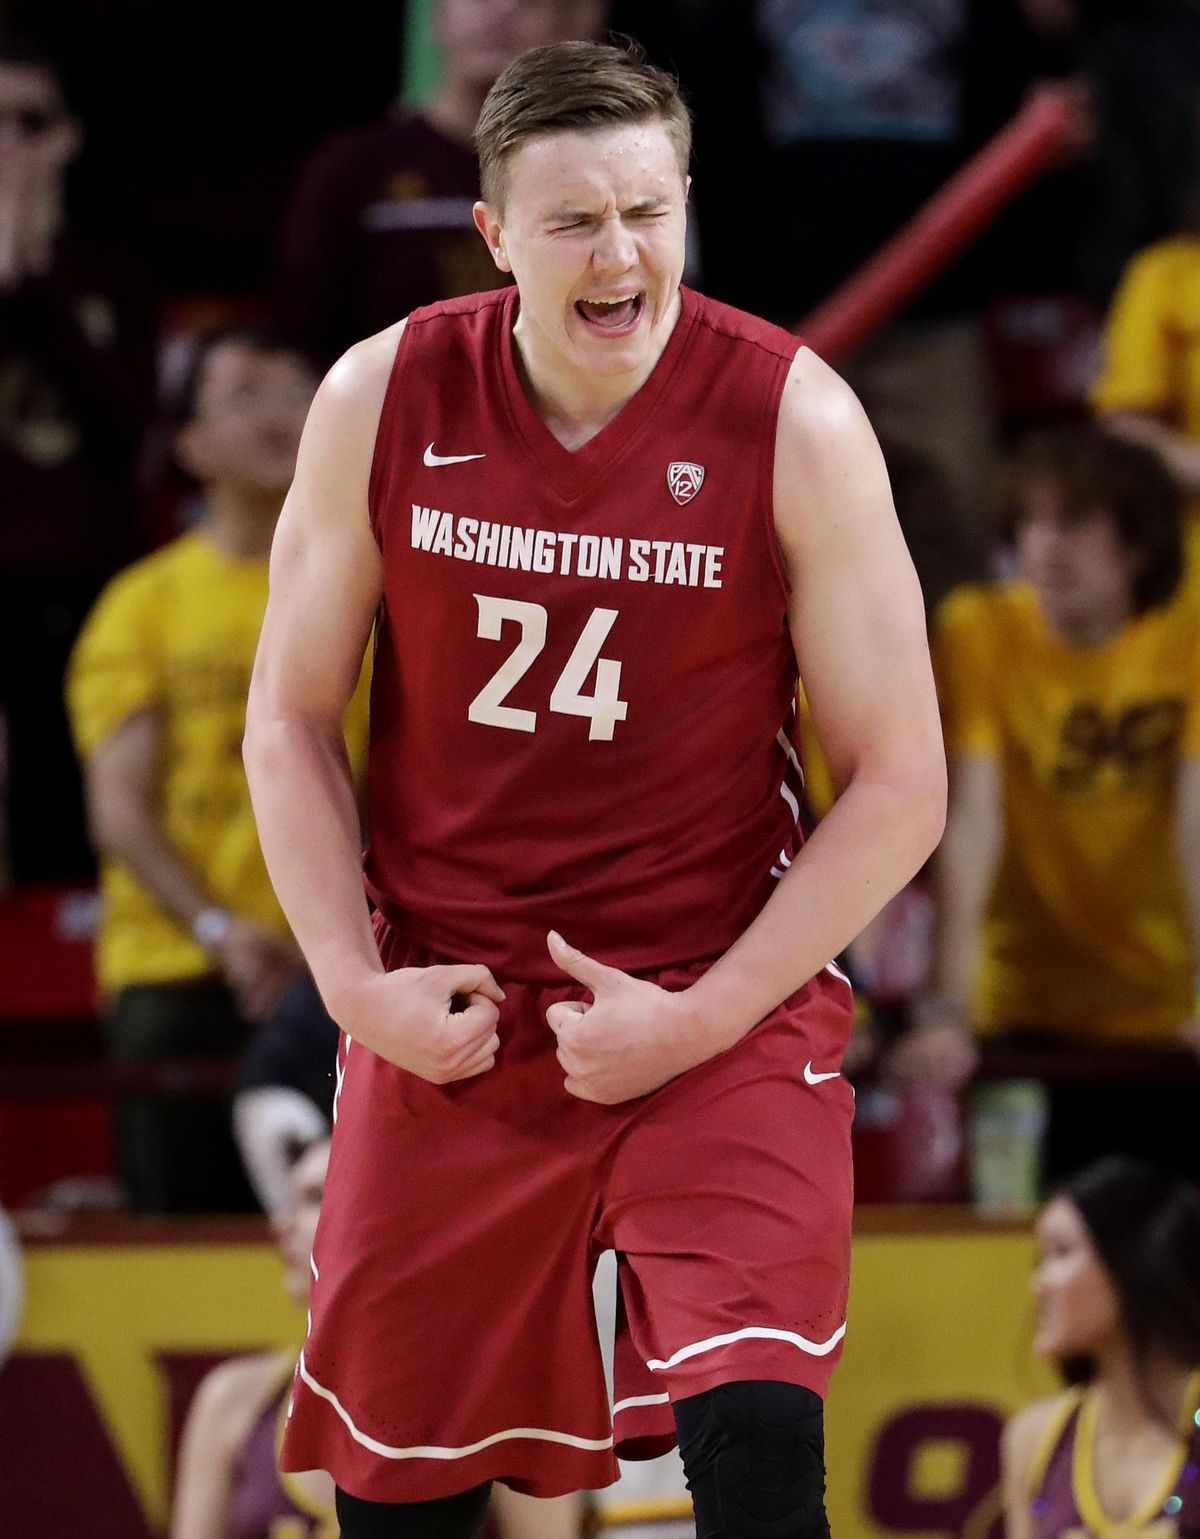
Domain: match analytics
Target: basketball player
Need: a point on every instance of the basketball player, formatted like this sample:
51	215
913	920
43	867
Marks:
599	524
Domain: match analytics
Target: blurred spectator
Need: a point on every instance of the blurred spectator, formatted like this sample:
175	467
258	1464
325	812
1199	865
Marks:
193	946
1068	881
229	1485
381	221
285	1089
76	385
1119	1313
1149	390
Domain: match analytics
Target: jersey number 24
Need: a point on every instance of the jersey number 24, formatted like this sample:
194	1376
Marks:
603	708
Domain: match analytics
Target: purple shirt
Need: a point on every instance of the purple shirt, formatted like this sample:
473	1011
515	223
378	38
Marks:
1067	1506
262	1506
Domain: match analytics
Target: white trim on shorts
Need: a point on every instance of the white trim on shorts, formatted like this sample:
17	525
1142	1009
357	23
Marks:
385	1451
626	1405
763	1332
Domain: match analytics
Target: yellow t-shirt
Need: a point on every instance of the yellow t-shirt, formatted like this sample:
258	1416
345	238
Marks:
1152	338
1086	929
176	634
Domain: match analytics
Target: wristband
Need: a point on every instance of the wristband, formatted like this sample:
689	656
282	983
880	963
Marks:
211	926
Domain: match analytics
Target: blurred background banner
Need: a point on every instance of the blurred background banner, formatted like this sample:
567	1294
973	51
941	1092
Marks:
122	1325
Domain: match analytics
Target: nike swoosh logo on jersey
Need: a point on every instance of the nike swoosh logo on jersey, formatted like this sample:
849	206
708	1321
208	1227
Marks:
815	1079
449	459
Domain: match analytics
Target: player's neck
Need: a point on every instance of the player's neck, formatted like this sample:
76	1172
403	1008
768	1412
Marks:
454	110
573	403
242	523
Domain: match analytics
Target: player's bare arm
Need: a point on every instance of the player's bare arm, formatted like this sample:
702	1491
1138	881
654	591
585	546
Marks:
326	584
858	629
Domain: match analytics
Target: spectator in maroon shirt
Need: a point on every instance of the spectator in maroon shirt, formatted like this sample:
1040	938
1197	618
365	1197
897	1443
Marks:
381	219
76	389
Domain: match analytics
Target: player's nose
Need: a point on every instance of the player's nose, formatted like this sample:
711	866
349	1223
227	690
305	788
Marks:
615	250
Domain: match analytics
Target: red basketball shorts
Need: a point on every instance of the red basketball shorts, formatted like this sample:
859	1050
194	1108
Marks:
452	1336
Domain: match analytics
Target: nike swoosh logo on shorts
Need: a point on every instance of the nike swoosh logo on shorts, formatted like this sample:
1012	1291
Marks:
815	1079
449	459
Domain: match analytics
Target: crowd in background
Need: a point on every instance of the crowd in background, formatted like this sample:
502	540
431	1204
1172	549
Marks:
171	293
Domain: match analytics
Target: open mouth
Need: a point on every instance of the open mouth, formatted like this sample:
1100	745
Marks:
613	317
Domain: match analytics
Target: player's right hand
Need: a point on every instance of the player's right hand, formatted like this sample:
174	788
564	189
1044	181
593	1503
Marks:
437	1022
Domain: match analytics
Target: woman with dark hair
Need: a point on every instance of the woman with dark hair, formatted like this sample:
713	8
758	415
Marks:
1118	1309
229	1486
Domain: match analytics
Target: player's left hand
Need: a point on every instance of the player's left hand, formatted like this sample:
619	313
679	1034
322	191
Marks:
632	1039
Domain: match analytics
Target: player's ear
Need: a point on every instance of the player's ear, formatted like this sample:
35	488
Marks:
487	222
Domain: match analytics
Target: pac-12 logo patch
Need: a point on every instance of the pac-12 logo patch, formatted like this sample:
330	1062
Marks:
684	479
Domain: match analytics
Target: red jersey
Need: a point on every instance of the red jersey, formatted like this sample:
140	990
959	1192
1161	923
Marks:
583	675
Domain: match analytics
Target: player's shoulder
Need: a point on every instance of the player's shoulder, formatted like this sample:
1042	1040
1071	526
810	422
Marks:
360	377
464	316
727	323
350	397
823	430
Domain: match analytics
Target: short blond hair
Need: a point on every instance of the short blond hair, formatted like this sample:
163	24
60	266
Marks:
575	86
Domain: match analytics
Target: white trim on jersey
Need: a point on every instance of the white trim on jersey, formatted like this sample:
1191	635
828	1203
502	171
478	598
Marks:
759	1332
339	1070
433	1451
789	748
625	1405
783	860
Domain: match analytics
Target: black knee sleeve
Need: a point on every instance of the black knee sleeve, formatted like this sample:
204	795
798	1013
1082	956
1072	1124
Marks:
754	1455
450	1517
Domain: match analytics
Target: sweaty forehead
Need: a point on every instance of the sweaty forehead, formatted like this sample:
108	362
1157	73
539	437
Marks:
590	168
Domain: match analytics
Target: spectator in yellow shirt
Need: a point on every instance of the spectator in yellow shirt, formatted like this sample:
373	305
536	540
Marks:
1149	387
1068	880
193	946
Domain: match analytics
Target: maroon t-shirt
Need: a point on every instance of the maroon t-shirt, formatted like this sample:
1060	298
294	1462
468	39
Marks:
1066	1505
261	1507
380	223
583	673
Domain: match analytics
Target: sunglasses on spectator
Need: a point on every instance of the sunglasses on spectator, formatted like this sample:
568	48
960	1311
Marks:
31	121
